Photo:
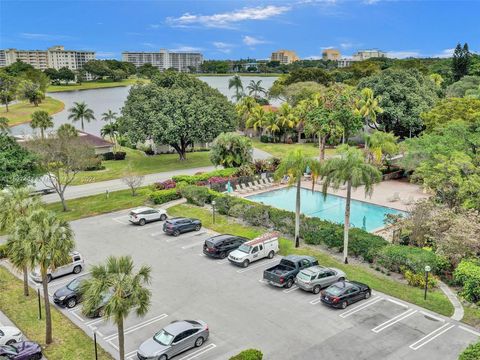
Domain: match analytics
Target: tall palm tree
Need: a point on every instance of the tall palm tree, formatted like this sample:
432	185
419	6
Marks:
109	116
81	112
256	88
128	291
270	123
294	165
380	146
17	204
368	107
349	168
41	120
256	118
236	82
4	128
110	130
244	109
287	118
49	241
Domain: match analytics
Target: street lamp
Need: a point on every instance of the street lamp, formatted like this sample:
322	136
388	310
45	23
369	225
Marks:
427	270
95	342
213	210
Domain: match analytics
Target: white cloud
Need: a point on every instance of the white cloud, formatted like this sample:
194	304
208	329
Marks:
371	2
445	53
346	45
223	47
227	19
183	48
38	36
251	41
403	54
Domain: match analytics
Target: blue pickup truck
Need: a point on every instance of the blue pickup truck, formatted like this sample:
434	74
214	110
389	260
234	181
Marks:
283	274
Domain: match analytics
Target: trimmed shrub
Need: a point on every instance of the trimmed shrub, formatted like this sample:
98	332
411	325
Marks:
167	184
196	195
256	215
120	155
266	139
250	354
364	244
163	196
3	251
108	156
193	179
418	280
467	274
472	352
95	164
398	257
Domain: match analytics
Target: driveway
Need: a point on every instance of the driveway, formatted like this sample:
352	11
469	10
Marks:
244	312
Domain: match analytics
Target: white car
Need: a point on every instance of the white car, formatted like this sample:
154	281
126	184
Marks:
256	249
143	215
10	335
73	266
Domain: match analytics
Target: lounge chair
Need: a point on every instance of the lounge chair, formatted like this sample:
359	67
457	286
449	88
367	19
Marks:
285	180
394	197
259	185
239	190
408	201
246	188
253	187
271	182
265	183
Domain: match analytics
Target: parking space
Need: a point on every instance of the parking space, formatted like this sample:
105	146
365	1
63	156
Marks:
243	312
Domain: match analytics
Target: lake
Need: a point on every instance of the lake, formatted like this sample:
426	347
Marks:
100	100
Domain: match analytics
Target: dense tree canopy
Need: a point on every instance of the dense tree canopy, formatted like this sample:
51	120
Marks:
459	88
176	109
452	109
231	150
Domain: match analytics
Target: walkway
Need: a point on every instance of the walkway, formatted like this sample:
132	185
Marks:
457	306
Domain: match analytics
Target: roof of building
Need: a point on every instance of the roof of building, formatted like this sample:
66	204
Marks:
95	141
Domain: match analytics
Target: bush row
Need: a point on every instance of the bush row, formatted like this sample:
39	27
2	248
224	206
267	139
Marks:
119	155
467	274
193	179
250	354
472	352
163	196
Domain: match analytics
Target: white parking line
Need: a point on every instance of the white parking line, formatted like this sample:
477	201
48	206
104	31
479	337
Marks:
433	335
263	281
393	320
293	288
397	302
256	266
469	330
192	245
136	327
94	321
221	262
315	301
156	233
359	308
77	316
130	354
199	352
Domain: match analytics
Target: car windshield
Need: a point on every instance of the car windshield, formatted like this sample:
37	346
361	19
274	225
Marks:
73	285
7	349
304	276
335	290
163	338
210	244
245	248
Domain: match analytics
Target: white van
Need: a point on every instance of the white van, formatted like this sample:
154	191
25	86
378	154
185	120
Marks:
73	266
256	249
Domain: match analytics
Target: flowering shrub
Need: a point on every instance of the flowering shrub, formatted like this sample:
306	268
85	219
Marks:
164	185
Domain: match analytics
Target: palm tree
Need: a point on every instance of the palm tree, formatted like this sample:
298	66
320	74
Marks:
49	242
287	118
255	88
368	107
67	131
294	165
81	112
109	116
111	131
236	82
127	288
270	123
244	109
41	120
256	118
17	204
4	128
381	145
349	168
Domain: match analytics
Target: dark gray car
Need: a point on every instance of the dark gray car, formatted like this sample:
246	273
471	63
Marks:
173	339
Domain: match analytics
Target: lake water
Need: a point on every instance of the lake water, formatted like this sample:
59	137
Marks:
100	100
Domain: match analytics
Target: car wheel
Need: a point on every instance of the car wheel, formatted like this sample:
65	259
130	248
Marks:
271	254
246	263
289	283
223	255
316	289
141	222
71	302
341	279
77	269
198	227
199	342
163	357
343	305
163	217
49	278
10	342
36	356
367	294
176	233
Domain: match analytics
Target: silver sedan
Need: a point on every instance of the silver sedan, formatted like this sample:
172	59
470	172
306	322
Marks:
173	339
315	278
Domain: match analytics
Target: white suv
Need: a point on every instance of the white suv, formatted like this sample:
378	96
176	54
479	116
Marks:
75	265
143	215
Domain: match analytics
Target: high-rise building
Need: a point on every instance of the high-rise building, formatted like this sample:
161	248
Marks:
284	56
164	59
331	54
367	54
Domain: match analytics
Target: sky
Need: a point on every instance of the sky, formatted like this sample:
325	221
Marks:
228	29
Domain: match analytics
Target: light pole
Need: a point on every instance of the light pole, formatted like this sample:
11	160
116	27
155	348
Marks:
213	210
95	342
427	270
39	305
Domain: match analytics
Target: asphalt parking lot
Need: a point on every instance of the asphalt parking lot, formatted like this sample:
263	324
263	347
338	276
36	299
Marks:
243	312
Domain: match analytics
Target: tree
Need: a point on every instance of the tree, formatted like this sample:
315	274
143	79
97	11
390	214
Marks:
109	116
148	71
81	112
8	88
294	165
461	61
127	288
317	75
437	79
381	146
473	93
236	82
49	242
270	123
368	108
18	166
66	131
349	169
62	158
52	75
31	92
132	179
244	109
66	75
4	128
459	88
256	89
41	120
176	109
231	150
296	92
110	130
446	110
287	119
256	118
17	205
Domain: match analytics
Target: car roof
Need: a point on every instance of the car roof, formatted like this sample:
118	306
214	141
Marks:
295	258
175	219
176	327
315	269
218	238
142	209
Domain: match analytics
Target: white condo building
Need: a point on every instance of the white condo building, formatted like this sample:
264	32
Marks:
164	59
360	56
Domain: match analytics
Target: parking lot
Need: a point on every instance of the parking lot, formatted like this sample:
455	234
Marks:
244	312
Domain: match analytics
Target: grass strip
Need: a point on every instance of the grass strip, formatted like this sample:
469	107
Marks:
22	112
89	85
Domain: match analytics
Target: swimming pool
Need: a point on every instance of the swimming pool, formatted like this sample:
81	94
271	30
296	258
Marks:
332	208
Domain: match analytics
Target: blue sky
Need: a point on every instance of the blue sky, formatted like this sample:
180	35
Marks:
224	29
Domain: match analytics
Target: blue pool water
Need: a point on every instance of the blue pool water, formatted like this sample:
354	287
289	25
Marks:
332	208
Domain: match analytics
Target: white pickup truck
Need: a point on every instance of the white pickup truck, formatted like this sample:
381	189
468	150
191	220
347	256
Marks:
256	249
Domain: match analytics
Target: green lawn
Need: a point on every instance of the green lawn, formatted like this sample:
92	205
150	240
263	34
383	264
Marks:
22	112
70	342
279	149
472	316
93	85
436	300
143	164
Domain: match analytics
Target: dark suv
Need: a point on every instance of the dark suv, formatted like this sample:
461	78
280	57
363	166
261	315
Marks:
221	245
69	295
176	226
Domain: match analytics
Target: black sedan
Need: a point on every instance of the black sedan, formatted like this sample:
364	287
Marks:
343	293
69	295
176	226
221	245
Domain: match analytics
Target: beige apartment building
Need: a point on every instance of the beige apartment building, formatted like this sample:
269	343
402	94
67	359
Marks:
284	56
164	59
360	56
331	54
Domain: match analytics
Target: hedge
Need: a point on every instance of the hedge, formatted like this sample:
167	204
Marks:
472	352
250	354
197	195
467	274
193	179
163	196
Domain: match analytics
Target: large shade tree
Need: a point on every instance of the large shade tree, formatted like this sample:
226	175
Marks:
8	87
176	109
30	91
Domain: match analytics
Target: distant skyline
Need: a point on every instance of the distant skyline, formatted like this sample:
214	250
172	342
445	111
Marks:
241	29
